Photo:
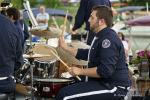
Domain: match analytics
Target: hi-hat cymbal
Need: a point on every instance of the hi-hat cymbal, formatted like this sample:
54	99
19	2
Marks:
50	33
44	49
35	55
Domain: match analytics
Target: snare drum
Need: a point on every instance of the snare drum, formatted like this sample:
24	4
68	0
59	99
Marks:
50	87
45	67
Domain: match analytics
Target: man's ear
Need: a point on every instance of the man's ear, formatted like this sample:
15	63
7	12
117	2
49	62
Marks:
101	21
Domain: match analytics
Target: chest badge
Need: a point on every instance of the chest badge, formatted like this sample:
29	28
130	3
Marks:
106	43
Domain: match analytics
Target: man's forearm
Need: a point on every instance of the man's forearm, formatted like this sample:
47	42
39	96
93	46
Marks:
73	51
91	72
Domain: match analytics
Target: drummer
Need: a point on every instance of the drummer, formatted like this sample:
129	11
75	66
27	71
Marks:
107	73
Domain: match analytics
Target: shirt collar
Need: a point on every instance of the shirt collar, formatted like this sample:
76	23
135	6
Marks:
102	32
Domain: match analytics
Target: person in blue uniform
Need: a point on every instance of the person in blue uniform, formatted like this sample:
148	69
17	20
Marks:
106	72
10	54
83	15
14	15
24	26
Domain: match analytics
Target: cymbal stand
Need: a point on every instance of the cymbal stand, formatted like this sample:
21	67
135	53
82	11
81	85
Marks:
32	65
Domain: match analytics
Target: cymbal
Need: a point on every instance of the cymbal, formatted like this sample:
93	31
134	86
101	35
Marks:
50	33
69	58
44	49
35	55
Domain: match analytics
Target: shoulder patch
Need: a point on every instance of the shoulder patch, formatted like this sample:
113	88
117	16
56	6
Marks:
106	43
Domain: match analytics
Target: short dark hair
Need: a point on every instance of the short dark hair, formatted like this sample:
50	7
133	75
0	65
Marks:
104	12
13	12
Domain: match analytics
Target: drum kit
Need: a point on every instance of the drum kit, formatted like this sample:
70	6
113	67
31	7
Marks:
39	74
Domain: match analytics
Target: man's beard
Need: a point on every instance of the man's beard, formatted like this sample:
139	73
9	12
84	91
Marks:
94	27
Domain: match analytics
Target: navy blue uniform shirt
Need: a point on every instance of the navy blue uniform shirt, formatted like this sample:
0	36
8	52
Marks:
10	53
20	31
107	54
25	29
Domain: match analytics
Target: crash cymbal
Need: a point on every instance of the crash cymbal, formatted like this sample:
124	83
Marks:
50	33
35	55
69	58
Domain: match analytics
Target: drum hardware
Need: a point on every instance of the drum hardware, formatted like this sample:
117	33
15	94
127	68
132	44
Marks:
21	73
31	58
44	56
45	73
28	51
40	69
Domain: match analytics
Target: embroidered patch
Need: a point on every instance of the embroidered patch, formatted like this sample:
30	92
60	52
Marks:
106	43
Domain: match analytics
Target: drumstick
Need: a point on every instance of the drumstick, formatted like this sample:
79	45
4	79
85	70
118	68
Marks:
54	20
64	64
65	22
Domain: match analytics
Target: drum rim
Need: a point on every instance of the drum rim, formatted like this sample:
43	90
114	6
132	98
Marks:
48	80
49	62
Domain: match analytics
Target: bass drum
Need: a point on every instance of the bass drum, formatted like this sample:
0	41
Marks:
50	87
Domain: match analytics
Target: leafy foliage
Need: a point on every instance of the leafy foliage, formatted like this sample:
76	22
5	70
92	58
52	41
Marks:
144	54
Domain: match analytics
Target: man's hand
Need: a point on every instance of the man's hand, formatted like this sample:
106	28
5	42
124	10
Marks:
74	71
74	32
62	43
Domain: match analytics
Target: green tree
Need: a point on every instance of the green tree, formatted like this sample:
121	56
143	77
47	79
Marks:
17	3
52	3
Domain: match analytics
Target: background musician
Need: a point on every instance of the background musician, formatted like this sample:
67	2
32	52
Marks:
14	15
10	54
83	15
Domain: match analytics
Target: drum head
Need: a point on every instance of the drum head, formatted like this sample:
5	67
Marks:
44	49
